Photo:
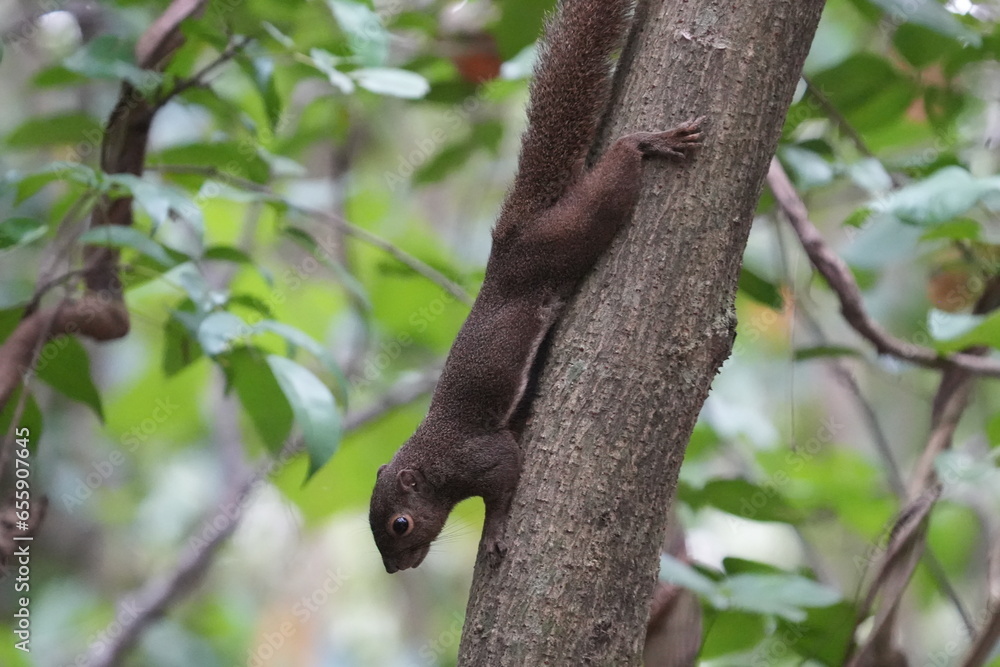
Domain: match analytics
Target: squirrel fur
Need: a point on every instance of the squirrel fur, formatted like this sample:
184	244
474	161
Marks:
556	220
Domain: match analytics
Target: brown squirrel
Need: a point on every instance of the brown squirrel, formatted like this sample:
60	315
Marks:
556	220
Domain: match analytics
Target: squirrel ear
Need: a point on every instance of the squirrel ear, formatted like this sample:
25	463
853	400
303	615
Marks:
411	480
381	468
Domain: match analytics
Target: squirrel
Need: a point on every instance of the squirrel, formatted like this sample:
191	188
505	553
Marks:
557	218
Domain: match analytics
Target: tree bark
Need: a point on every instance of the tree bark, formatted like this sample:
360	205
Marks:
634	355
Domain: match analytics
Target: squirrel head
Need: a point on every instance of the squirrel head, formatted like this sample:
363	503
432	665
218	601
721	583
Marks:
405	516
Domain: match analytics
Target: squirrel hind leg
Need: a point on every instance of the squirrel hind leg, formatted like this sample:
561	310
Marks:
499	484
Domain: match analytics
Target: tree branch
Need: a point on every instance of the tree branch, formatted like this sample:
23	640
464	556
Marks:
198	78
144	607
100	313
837	118
881	442
982	647
906	547
838	276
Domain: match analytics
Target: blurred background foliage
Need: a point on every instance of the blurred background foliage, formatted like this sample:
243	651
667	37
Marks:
310	217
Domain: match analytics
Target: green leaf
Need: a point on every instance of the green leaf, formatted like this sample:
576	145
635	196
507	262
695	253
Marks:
326	63
809	168
261	396
946	194
298	338
211	189
188	278
741	498
281	166
252	302
30	183
867	90
221	331
314	408
957	331
116	236
921	46
679	573
488	134
64	365
733	565
225	253
323	254
521	65
760	290
944	105
820	351
870	174
31	418
958	469
278	36
962	229
931	15
783	595
454	156
391	81
57	76
520	24
69	128
180	347
158	200
730	631
302	237
109	57
993	430
825	634
366	35
14	294
882	240
20	231
858	217
229	158
262	74
446	161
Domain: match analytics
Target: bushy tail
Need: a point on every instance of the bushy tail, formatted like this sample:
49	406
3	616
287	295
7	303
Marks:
569	93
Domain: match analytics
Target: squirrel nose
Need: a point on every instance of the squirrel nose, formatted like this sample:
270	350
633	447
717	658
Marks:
390	566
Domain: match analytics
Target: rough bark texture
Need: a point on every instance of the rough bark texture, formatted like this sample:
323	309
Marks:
634	355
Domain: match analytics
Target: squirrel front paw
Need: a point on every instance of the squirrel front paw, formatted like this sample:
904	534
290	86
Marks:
674	143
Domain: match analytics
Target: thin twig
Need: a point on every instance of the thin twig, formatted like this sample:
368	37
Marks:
7	444
838	118
879	438
137	612
417	266
838	276
198	78
952	397
982	648
409	260
141	609
950	402
868	414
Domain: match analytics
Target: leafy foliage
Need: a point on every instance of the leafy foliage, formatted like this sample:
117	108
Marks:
258	318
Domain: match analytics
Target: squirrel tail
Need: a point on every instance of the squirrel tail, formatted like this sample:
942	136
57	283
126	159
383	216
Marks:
569	93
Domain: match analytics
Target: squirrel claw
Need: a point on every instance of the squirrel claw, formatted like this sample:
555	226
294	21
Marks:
495	551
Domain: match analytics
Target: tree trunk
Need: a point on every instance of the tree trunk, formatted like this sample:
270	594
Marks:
634	355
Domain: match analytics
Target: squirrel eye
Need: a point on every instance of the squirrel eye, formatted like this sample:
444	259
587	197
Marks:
401	525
